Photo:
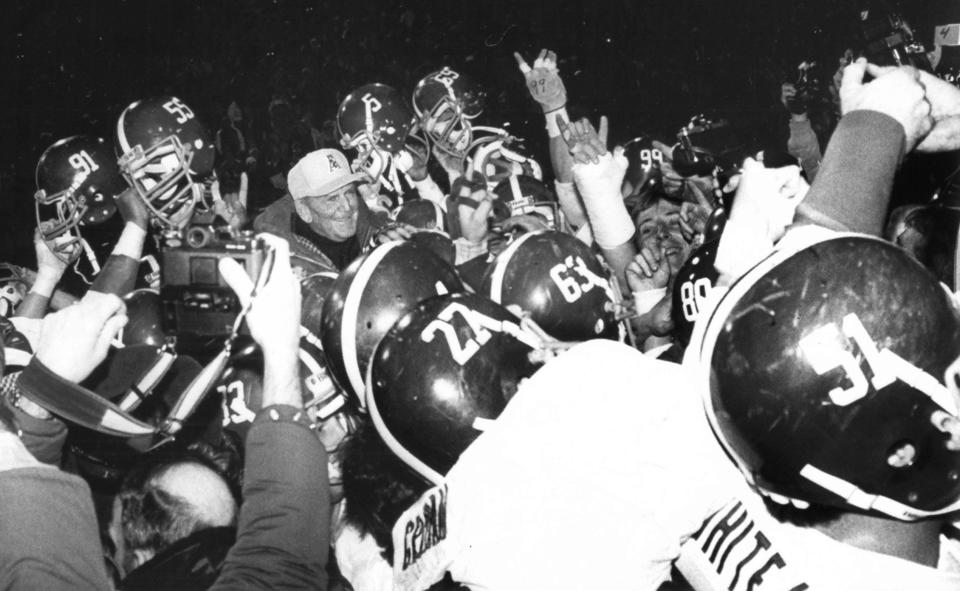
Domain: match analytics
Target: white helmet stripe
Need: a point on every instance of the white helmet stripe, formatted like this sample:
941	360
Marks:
500	267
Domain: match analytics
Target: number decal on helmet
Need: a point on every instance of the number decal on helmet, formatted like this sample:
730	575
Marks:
446	76
824	350
176	107
648	157
565	275
235	408
83	162
480	324
692	295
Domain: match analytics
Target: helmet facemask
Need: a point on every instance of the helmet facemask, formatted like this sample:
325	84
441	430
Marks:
162	179
58	221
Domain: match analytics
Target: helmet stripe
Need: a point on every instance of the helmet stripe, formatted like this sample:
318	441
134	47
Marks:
500	267
121	133
351	311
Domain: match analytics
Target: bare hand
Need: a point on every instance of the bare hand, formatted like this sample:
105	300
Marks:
474	221
543	80
232	207
394	232
649	270
49	265
75	340
586	144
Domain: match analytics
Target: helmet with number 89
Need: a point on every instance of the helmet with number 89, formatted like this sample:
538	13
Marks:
442	374
166	154
77	182
446	102
559	282
825	389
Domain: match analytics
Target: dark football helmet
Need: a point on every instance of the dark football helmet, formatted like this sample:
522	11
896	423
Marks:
442	374
495	158
691	288
446	102
559	282
166	155
77	181
375	121
826	389
368	297
520	195
421	213
145	319
644	165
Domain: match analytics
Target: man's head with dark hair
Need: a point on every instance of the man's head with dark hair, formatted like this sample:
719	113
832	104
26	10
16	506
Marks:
656	217
166	499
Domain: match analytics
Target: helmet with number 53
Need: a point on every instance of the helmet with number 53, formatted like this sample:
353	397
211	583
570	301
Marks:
559	282
446	101
166	154
829	375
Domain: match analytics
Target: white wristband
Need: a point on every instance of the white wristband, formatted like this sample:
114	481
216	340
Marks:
644	301
553	130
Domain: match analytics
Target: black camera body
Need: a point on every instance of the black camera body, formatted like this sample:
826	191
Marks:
890	41
197	303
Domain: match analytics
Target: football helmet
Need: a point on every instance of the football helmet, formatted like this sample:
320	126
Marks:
421	213
370	295
145	319
691	288
375	121
559	282
825	389
442	374
495	158
446	102
77	181
644	165
166	155
519	195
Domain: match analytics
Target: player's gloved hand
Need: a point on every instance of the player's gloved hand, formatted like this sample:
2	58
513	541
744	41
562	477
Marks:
543	80
413	162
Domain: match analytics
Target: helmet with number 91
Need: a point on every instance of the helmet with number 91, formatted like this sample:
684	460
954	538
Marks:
166	154
826	389
368	297
444	373
445	102
559	282
77	182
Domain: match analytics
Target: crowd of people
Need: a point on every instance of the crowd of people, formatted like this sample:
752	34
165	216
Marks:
396	351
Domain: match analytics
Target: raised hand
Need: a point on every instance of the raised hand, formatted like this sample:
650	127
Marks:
132	209
586	144
543	80
232	207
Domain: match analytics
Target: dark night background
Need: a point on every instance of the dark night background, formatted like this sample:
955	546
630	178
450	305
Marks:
70	68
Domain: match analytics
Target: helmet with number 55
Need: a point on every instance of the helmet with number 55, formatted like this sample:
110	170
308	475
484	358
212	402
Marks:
166	154
827	389
559	282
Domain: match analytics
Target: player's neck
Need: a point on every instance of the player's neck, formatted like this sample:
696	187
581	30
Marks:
917	541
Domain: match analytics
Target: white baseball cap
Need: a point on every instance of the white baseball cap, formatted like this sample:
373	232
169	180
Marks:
319	173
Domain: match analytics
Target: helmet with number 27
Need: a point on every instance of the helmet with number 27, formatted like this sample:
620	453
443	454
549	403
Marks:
166	154
825	389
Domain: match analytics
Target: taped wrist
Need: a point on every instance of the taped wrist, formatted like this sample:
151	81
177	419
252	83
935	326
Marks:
599	185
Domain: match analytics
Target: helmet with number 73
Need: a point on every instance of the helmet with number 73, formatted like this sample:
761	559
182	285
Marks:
166	154
829	375
374	120
446	102
442	374
77	182
559	282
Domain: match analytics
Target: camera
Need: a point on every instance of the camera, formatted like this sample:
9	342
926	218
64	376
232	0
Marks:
197	303
889	41
809	88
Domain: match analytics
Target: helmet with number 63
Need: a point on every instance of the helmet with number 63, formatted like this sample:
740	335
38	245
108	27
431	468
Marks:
828	372
442	375
77	182
368	297
166	154
559	282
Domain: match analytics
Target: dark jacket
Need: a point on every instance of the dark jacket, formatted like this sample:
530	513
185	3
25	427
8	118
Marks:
279	219
191	563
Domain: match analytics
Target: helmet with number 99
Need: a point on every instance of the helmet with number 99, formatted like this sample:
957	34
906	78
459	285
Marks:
77	182
825	389
368	297
446	102
166	154
442	374
559	282
644	165
691	288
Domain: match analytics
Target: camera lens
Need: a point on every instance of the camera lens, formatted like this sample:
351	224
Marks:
198	237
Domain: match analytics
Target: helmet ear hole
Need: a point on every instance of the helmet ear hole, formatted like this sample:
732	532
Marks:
902	454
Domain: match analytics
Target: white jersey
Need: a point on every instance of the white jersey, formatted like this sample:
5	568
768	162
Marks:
597	470
742	547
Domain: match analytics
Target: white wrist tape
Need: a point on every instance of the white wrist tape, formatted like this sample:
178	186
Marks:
644	301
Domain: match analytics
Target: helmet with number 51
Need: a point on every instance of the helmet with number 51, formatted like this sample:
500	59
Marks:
166	154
